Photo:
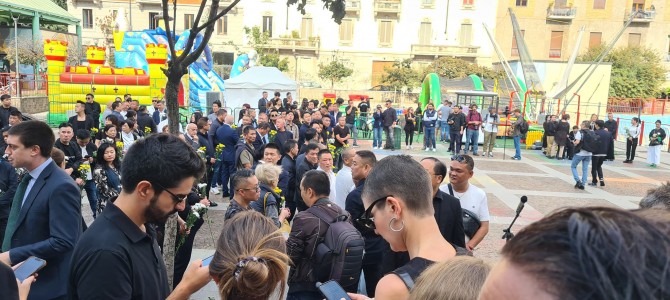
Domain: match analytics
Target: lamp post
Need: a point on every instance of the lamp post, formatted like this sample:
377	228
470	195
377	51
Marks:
130	15
16	53
295	70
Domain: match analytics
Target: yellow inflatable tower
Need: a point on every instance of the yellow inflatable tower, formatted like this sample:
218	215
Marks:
96	57
55	53
157	58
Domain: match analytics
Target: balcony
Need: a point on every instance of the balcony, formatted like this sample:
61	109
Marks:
435	51
294	45
353	7
641	15
150	3
554	53
562	13
387	8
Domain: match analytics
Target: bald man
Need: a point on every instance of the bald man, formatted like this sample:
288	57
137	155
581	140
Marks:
191	136
344	182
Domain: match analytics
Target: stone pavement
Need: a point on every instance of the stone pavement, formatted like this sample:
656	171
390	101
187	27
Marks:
548	184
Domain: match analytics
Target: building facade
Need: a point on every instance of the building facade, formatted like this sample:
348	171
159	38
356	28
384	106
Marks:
372	36
551	27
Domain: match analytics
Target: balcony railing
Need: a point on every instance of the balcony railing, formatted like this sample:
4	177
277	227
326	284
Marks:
353	6
642	15
561	13
444	50
294	44
387	7
554	53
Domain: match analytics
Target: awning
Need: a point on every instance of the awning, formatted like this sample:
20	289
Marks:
50	12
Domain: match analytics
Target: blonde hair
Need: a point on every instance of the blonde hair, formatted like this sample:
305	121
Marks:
268	173
250	259
460	278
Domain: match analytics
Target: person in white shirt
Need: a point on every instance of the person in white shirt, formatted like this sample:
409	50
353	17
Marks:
490	130
471	197
326	165
344	182
582	156
632	135
127	135
162	126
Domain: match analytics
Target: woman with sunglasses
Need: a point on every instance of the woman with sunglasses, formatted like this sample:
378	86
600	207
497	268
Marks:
398	196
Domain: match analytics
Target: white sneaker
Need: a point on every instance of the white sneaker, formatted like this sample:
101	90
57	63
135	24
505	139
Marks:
407	147
434	149
215	190
427	149
410	147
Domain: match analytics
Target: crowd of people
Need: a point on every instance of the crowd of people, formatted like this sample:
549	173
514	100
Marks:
393	220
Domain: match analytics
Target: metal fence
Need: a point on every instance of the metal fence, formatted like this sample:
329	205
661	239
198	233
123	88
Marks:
26	85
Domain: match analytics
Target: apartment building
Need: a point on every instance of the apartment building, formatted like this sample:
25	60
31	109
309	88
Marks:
551	27
372	36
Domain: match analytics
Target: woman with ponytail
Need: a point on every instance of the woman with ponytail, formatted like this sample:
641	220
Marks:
250	260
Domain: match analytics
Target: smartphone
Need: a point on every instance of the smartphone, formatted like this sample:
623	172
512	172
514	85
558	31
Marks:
29	267
332	290
206	261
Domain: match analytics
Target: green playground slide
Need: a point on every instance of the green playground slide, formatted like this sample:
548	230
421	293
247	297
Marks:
430	89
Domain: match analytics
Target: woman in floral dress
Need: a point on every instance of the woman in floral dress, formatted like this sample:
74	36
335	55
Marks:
107	174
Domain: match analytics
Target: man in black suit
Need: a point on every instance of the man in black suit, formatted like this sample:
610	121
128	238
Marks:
310	163
45	219
263	102
144	120
262	138
93	109
8	183
71	150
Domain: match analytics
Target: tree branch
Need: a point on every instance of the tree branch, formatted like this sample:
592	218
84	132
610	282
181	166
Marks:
199	15
218	16
192	56
170	36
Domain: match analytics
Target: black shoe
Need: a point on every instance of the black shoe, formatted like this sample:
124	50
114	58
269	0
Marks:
593	183
602	183
581	186
577	185
224	195
213	204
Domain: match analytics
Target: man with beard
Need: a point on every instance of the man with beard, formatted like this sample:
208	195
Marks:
120	246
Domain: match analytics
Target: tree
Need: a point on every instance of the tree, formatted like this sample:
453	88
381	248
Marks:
637	72
177	67
259	41
401	75
451	67
30	52
334	71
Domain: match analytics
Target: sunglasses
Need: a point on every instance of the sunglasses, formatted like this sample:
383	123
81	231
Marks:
460	158
366	220
177	198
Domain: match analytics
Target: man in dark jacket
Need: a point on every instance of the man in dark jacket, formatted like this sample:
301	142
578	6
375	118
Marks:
375	245
311	159
456	121
550	131
612	127
263	102
5	109
282	134
599	155
8	184
88	151
389	117
71	151
210	154
227	136
93	109
289	167
447	208
144	120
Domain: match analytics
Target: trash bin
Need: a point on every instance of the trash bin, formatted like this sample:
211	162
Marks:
397	136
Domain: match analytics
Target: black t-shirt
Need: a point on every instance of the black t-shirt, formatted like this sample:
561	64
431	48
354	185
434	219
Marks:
114	259
363	107
351	117
341	132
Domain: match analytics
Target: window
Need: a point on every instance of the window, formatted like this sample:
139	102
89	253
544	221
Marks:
267	25
306	28
427	3
515	48
188	21
222	26
466	35
599	4
634	39
521	2
346	31
223	58
385	33
556	44
153	20
595	39
425	33
638	5
469	2
87	17
561	4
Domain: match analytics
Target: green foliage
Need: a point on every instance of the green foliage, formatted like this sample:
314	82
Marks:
30	53
334	71
273	60
337	7
61	3
259	41
451	67
637	72
401	75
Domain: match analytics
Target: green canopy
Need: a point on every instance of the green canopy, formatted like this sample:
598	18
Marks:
49	12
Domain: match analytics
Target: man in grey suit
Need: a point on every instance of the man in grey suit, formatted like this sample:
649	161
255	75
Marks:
45	217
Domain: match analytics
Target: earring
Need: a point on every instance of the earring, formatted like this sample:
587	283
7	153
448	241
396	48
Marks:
396	230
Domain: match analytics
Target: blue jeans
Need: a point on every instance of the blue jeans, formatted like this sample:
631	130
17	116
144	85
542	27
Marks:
517	146
216	174
227	172
92	195
456	140
444	131
429	138
353	132
585	160
472	137
377	137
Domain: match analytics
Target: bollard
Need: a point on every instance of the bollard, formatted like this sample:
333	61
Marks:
641	136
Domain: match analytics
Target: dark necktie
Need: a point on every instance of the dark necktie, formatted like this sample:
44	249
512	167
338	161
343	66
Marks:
264	140
16	210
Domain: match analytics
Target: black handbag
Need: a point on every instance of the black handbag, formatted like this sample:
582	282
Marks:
471	222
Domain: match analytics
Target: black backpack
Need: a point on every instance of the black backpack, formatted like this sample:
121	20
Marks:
590	141
339	254
523	127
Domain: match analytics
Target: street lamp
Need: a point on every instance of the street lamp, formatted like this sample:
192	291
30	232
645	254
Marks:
16	53
295	70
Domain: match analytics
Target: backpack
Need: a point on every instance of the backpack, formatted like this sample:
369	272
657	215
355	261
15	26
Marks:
523	127
590	141
339	254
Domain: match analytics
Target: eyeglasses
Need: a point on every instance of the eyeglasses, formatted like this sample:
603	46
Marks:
366	220
255	189
177	198
273	115
460	158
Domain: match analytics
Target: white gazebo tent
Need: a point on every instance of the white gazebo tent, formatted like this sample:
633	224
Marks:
249	86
